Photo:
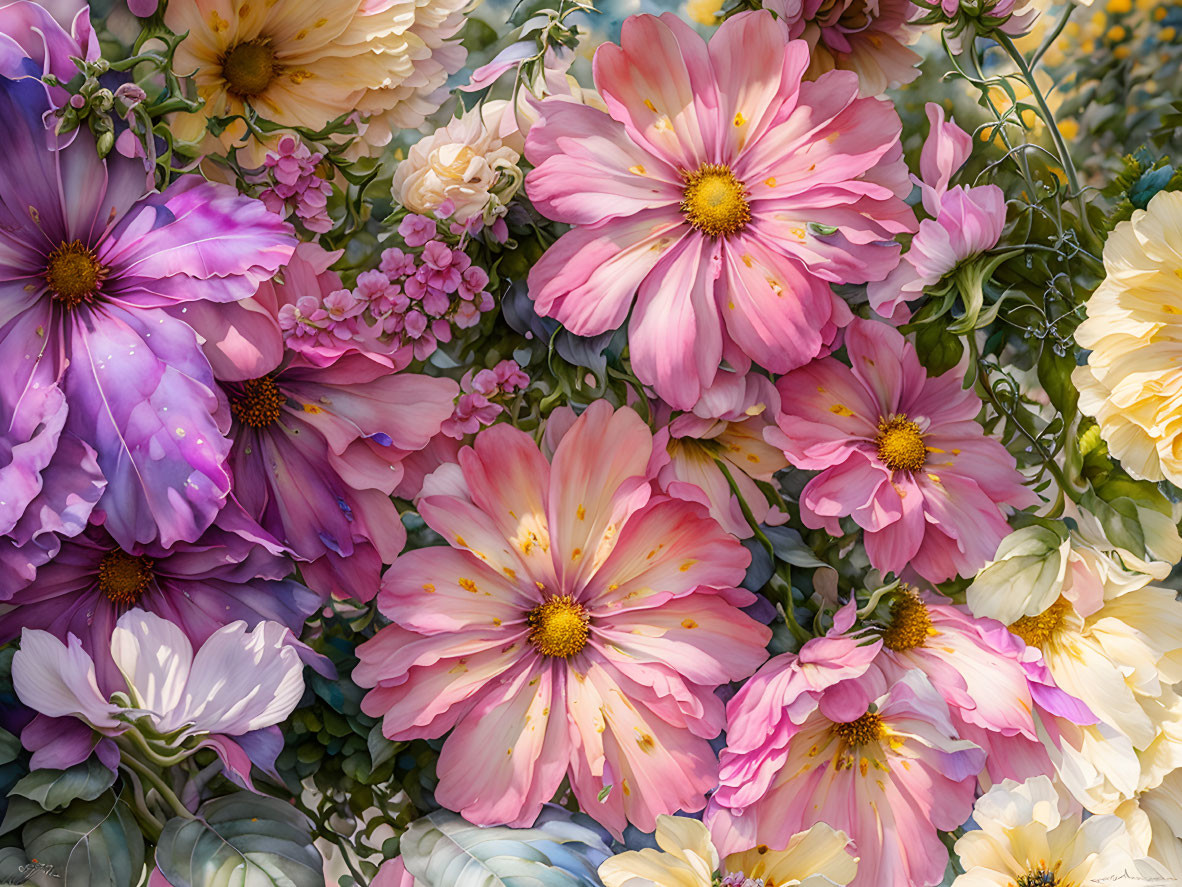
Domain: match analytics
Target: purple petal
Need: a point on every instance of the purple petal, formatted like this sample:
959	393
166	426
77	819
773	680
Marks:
153	426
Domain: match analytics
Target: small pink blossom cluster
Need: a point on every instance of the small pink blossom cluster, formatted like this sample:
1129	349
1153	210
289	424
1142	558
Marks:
297	188
476	407
402	309
738	879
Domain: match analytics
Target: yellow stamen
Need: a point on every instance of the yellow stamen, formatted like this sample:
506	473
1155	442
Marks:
1037	630
558	627
900	444
124	578
249	68
714	201
260	404
73	273
910	623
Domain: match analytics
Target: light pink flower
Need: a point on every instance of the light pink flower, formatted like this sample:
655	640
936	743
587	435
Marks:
577	627
899	452
827	736
727	424
868	37
965	221
721	194
999	691
239	682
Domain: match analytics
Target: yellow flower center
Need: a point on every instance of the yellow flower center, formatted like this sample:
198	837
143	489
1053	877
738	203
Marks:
714	201
1038	878
864	731
900	444
73	273
1037	630
558	627
249	68
910	623
124	578
260	404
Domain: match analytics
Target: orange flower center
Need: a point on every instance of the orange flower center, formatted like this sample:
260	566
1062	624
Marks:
260	404
73	273
558	627
124	578
249	68
900	444
1039	878
910	623
864	731
714	201
1037	630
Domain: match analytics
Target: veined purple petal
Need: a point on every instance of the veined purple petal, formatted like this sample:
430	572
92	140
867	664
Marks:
153	426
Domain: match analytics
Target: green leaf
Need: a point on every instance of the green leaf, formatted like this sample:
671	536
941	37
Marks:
90	844
243	840
55	789
10	747
381	749
1122	524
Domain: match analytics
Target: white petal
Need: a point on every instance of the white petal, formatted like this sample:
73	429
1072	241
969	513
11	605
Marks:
59	680
243	681
154	656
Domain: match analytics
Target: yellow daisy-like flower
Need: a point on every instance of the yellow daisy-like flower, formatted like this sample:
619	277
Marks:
1132	383
305	62
687	858
1113	640
1026	838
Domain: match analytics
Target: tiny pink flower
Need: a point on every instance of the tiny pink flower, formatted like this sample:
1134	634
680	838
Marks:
416	230
899	452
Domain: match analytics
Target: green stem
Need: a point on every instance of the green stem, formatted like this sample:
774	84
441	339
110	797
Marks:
1057	137
746	509
165	792
1053	36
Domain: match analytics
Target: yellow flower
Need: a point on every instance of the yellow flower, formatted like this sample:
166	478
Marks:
302	63
704	12
1132	383
1027	837
687	858
1109	638
1155	820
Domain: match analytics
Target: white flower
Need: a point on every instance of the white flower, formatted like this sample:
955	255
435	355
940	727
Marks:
462	163
1155	820
1109	638
1027	838
688	858
238	682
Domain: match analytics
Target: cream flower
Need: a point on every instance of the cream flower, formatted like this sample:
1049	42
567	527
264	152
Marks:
1112	640
462	163
1132	382
300	63
687	858
1025	838
1155	821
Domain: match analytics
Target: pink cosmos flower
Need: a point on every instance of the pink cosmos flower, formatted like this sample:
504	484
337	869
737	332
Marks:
999	692
899	452
827	736
965	221
868	37
577	627
721	194
239	684
727	424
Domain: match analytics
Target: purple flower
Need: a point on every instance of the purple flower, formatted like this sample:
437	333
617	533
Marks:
42	38
90	260
228	574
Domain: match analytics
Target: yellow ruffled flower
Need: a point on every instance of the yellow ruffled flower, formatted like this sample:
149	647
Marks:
1132	383
299	63
687	858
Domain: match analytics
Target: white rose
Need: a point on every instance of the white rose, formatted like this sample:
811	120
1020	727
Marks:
462	163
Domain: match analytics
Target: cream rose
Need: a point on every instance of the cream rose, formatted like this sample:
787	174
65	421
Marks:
462	163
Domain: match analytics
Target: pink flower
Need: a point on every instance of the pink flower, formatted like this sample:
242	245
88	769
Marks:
965	223
999	692
899	452
868	37
727	424
416	230
827	736
577	628
720	193
298	188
